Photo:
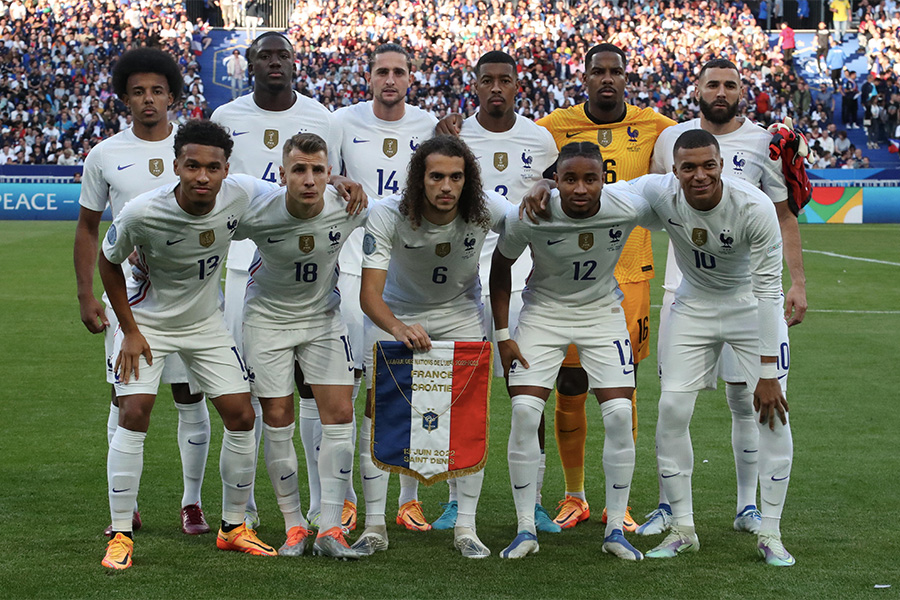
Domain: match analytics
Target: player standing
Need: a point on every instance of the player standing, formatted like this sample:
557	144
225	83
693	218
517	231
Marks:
744	147
117	170
181	232
292	312
572	298
420	282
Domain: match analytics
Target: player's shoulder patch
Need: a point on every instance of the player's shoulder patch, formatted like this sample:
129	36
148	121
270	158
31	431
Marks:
111	235
369	244
774	248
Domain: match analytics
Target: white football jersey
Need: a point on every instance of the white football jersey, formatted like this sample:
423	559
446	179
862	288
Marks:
511	162
123	167
375	153
575	259
259	137
745	155
294	275
181	252
431	266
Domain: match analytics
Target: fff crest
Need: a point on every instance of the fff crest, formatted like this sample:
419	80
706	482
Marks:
604	137
270	138
157	167
430	421
501	161
207	238
586	240
307	243
389	147
698	236
442	250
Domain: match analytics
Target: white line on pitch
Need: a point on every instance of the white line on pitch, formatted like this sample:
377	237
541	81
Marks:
871	260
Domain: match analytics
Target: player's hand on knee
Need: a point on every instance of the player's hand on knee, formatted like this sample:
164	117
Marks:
535	203
795	306
133	347
93	315
769	401
352	193
509	351
449	125
414	336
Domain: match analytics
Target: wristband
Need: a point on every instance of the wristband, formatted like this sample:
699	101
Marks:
768	370
501	335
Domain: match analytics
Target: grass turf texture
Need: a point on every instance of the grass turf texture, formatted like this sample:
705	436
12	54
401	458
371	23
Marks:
838	521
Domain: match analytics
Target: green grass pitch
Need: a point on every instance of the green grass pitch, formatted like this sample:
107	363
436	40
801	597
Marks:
839	521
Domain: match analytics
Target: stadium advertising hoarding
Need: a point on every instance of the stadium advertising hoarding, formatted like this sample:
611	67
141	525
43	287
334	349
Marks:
39	201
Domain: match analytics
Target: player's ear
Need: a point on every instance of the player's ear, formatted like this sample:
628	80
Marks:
281	175
329	171
227	166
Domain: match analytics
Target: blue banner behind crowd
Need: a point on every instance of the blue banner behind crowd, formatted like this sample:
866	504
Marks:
40	201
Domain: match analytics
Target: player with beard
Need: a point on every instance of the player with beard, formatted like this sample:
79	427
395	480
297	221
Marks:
745	152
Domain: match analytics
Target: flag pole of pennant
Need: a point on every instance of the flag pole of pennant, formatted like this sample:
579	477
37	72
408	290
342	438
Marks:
430	418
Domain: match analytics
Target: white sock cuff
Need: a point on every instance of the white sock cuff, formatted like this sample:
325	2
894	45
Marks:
241	442
528	401
279	434
308	408
339	431
196	412
127	441
611	406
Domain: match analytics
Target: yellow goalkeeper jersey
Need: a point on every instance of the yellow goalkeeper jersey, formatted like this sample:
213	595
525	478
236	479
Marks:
626	146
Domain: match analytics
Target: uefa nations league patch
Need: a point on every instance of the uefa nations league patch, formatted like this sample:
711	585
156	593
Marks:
368	244
111	235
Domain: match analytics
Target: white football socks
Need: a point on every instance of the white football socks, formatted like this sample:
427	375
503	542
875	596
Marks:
281	464
776	455
468	489
112	421
311	437
374	480
744	443
124	465
675	455
335	472
409	490
238	470
523	453
542	466
193	443
618	459
257	437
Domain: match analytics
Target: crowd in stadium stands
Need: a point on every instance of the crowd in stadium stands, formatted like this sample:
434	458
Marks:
56	101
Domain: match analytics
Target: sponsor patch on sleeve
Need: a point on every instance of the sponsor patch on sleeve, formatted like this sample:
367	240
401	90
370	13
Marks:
111	235
774	249
369	244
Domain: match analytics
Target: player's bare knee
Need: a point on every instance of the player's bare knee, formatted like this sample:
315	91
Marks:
236	411
571	382
278	412
336	413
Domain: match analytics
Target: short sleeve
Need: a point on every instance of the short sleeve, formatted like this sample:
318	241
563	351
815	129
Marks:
121	237
94	188
378	238
514	236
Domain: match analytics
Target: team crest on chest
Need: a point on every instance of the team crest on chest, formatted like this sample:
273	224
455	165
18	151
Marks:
307	243
207	238
586	241
156	166
604	137
698	236
389	147
501	161
442	250
270	138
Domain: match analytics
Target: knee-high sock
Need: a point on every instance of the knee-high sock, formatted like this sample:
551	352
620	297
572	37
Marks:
238	470
112	422
335	471
374	480
634	417
468	489
618	459
571	433
675	455
776	455
453	495
351	491
542	466
744	442
257	437
124	465
193	443
524	455
409	489
281	464
311	437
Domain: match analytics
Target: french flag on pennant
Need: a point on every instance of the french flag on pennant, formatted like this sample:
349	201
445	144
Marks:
430	416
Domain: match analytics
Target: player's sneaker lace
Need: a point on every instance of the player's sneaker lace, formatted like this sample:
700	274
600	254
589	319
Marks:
243	539
748	520
447	520
192	520
411	516
466	541
628	523
658	521
372	540
543	522
348	516
525	543
572	511
135	524
297	542
616	544
251	519
679	541
772	550
118	552
332	543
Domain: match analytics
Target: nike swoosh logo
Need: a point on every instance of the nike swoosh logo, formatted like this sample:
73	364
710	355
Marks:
121	168
414	522
359	141
563	519
243	485
782	376
367	478
345	472
271	241
283	477
237	133
521	487
554	242
672	475
627	372
569	430
115	491
408	247
171	243
124	561
193	443
671	222
616	486
750	451
262	546
779	478
568	135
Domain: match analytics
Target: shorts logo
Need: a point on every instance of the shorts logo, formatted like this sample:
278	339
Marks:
604	137
111	235
270	138
586	241
429	421
501	161
156	166
698	236
389	147
307	243
207	238
368	244
442	250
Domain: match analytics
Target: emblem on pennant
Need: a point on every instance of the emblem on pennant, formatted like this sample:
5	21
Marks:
501	161
429	421
389	147
442	250
698	236
157	167
307	243
604	137
586	240
207	238
270	138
